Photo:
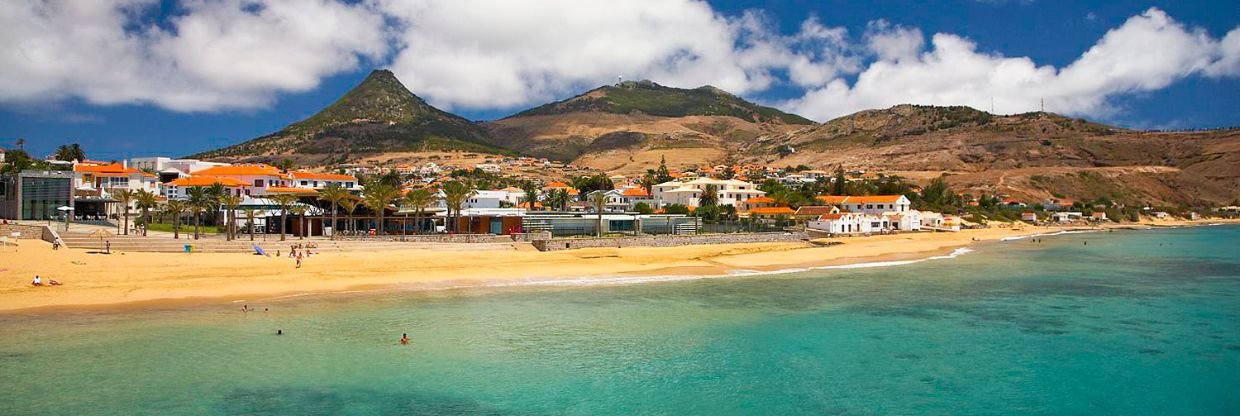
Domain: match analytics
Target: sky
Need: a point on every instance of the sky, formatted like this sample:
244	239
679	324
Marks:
130	78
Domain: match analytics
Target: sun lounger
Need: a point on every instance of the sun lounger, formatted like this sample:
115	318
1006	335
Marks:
258	251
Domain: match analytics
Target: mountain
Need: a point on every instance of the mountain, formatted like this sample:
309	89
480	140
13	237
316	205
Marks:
630	126
1032	156
379	116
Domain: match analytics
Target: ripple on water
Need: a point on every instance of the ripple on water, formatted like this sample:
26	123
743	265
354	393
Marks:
307	401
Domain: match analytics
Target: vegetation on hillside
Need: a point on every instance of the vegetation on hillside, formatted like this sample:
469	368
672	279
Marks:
646	97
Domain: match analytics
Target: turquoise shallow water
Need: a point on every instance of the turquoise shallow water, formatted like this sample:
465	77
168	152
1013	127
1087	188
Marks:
1134	323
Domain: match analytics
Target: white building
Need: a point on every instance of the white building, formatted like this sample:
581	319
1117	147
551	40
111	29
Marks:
729	192
171	168
312	180
907	220
871	204
845	223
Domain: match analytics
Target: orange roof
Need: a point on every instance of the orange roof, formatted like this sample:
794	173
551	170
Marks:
814	210
772	211
322	176
828	217
635	192
109	168
193	181
239	170
760	200
556	185
288	190
870	199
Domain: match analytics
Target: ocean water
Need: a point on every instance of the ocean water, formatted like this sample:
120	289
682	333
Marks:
1132	323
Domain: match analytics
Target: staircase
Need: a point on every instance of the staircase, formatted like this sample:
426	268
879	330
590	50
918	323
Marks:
216	244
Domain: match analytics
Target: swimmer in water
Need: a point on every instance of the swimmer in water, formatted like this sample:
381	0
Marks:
404	339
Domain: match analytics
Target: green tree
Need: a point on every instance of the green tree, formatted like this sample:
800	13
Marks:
175	208
123	198
198	200
643	208
455	193
335	195
349	205
230	203
676	209
420	199
377	196
284	201
662	174
531	194
70	153
710	196
145	200
250	213
840	184
598	200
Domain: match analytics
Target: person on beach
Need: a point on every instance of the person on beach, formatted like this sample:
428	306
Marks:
299	257
404	339
107	248
37	281
53	282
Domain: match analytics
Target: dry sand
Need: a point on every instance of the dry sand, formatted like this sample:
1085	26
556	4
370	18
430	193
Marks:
96	280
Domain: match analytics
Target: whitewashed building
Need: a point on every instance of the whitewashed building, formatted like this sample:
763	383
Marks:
728	192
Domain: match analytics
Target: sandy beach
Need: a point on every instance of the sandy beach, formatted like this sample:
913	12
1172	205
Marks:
137	279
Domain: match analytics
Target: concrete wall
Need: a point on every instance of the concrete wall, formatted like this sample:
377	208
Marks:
667	240
437	238
29	232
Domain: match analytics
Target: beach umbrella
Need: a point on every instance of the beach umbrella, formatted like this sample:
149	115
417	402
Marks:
102	233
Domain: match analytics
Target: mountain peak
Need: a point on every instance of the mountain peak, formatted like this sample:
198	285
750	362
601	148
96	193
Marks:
649	98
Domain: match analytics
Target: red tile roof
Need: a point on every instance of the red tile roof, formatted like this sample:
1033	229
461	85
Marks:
194	181
869	199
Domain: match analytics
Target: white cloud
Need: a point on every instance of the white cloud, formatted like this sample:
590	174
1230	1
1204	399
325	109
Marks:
1148	52
499	54
216	55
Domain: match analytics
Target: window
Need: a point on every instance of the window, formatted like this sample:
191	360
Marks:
258	183
869	206
304	183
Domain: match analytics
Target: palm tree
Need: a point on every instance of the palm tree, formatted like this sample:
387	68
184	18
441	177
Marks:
249	218
419	199
377	196
349	205
145	200
531	194
217	193
598	200
335	194
175	208
284	201
300	211
455	193
123	197
230	203
199	200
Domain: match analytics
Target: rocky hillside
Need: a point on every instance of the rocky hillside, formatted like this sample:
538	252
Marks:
378	116
1031	156
629	127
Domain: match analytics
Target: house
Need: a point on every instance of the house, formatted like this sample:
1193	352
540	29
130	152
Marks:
1055	204
951	223
312	180
615	200
1	155
771	213
179	188
728	192
94	184
637	195
1029	216
1098	216
1067	216
908	220
35	195
843	223
755	202
931	219
812	212
1161	215
1194	216
1013	203
873	204
169	169
259	178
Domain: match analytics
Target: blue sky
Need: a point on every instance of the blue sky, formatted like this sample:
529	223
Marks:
185	79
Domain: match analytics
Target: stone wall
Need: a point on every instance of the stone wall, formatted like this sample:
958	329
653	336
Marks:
29	232
437	238
667	240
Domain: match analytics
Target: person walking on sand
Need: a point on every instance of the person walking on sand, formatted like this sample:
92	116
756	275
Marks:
299	257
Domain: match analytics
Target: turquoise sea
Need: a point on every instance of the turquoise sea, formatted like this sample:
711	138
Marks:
1132	323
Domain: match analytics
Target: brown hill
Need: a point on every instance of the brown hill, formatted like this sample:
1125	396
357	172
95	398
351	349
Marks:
630	127
1031	156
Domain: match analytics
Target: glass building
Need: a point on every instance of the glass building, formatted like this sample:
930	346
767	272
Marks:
35	195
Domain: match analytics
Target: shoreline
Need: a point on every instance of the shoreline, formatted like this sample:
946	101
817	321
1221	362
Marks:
126	281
